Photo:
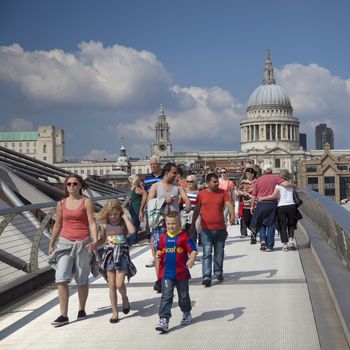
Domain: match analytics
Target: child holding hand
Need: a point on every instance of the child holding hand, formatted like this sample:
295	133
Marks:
176	254
115	228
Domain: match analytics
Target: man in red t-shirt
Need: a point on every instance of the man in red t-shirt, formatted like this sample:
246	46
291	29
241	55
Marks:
210	203
265	211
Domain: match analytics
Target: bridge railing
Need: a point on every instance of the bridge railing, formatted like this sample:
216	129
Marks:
331	219
24	238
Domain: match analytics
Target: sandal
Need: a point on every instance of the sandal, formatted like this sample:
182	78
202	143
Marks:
126	310
114	320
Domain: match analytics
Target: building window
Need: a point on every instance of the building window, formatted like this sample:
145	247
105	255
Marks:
20	144
133	171
140	171
82	171
27	144
108	171
344	187
312	183
13	145
6	144
329	186
27	150
44	158
95	172
277	163
311	168
343	167
44	149
101	172
88	172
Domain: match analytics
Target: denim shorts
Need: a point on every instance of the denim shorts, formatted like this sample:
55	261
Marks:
121	265
80	265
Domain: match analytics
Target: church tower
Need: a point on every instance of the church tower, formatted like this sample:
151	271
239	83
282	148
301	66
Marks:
162	145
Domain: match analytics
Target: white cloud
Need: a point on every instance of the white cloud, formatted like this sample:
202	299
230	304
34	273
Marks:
100	154
111	77
111	92
20	124
317	96
209	123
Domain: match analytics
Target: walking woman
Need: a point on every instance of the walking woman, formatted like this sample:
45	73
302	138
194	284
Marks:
286	213
138	195
76	233
245	190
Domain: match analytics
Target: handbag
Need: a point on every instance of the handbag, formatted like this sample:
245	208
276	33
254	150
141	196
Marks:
298	202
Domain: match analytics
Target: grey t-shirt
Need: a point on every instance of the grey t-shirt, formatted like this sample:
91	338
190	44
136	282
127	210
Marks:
162	193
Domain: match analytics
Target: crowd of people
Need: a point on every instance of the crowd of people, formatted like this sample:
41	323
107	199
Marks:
181	214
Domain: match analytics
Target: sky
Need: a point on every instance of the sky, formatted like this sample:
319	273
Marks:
99	70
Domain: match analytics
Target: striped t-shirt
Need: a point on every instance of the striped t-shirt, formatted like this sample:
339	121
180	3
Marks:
150	179
192	196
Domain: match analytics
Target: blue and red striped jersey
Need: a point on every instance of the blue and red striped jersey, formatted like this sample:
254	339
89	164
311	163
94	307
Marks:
174	251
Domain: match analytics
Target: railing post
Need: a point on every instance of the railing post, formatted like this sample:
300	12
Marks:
33	262
5	222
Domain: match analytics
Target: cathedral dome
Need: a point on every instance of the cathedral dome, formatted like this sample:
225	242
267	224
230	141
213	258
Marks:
269	121
269	95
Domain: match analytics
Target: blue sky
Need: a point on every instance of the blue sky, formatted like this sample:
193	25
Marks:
100	69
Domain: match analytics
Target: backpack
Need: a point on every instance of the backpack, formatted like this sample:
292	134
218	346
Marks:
155	208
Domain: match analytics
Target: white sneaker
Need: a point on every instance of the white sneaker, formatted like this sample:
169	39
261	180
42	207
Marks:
291	245
186	318
285	247
163	325
150	263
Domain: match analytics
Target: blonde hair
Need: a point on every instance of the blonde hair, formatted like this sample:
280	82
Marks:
173	214
135	180
107	209
191	178
284	174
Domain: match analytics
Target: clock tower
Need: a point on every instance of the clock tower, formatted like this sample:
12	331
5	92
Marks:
162	145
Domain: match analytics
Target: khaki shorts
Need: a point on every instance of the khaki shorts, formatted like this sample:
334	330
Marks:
79	264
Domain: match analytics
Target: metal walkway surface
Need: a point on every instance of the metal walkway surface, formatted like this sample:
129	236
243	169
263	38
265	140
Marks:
263	303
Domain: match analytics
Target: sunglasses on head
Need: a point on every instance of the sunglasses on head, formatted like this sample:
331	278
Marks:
72	183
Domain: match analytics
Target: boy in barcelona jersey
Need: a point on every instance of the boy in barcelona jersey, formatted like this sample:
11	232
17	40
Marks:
176	254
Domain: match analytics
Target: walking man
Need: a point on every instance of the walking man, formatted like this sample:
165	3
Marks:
171	193
266	208
154	177
210	203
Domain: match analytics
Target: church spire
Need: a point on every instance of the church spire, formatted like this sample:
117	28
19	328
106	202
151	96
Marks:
161	112
268	71
122	148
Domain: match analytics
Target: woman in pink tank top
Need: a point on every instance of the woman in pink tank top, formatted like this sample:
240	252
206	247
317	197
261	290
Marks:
74	229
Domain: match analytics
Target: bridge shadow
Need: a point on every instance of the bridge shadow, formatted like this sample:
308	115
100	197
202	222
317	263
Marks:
233	278
215	314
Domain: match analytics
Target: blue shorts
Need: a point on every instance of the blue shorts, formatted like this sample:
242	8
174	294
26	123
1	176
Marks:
121	265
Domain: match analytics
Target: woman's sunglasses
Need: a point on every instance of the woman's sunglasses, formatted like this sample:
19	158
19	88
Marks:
72	183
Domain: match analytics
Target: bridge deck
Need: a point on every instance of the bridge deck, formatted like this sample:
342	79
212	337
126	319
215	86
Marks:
263	303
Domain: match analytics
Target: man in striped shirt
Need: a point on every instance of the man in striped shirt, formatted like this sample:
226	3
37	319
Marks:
154	177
